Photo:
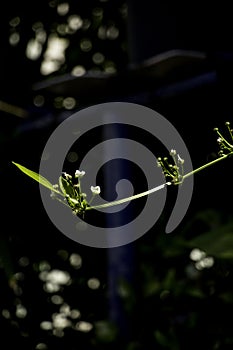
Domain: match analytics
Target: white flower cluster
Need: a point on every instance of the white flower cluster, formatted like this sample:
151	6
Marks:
70	188
175	171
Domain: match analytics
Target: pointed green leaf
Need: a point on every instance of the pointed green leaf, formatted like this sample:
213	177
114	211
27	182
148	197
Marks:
66	187
37	177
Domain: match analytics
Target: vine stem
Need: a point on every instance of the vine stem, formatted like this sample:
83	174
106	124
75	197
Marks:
206	165
157	188
128	199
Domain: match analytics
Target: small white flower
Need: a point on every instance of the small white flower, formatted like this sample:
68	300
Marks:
66	176
180	160
95	189
79	174
173	152
55	186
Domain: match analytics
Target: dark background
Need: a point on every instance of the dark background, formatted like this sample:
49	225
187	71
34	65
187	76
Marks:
176	58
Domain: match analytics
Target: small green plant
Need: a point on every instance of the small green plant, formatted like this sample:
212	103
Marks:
69	192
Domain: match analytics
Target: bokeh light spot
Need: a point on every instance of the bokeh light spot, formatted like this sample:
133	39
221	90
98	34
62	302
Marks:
74	314
33	49
78	71
6	314
63	9
75	260
72	157
56	299
46	325
41	346
84	326
14	22
196	254
69	103
93	283
23	261
112	33
75	22
14	39
21	311
39	100
86	45
98	58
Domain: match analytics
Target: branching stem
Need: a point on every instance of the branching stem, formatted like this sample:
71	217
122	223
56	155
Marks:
157	188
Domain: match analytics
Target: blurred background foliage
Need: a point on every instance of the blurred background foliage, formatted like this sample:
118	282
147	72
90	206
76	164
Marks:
164	291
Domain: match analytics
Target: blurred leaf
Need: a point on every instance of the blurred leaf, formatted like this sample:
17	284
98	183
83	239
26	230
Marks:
195	292
226	297
170	279
175	247
37	177
161	339
106	332
151	287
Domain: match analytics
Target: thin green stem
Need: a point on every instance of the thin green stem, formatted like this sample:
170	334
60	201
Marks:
124	200
157	188
64	203
90	201
206	165
229	129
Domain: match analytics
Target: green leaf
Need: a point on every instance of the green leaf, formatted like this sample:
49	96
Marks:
161	338
37	177
67	188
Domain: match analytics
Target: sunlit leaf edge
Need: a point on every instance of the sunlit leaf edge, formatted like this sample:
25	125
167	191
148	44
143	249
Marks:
37	177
